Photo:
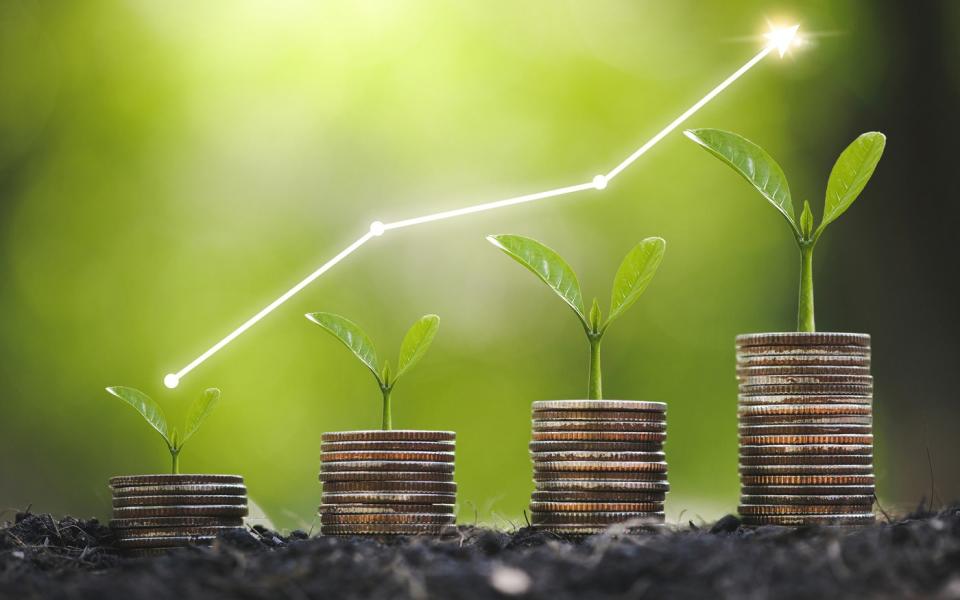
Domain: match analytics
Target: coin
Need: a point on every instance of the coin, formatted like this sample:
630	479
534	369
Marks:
598	415
598	496
806	388
806	459
381	498
165	532
804	499
793	400
798	360
405	476
805	409
383	435
594	446
615	405
387	529
744	372
638	426
181	490
167	479
600	436
177	500
539	475
214	510
804	429
807	490
806	420
794	378
391	518
379	455
796	520
819	449
804	509
386	465
598	456
838	469
592	466
801	338
394	446
605	485
588	507
380	509
174	522
763	440
821	480
447	487
590	518
745	352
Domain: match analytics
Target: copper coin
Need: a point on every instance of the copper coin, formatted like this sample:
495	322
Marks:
807	490
388	446
380	498
804	509
754	480
379	455
382	509
188	479
807	459
416	487
804	410
539	475
798	520
865	500
793	400
803	338
640	426
393	519
806	469
765	440
599	436
804	429
578	485
807	449
387	529
165	542
181	490
390	435
599	415
598	496
617	405
165	532
598	456
174	522
806	420
590	518
214	510
177	500
758	371
404	476
590	507
595	446
806	388
802	360
386	465
606	466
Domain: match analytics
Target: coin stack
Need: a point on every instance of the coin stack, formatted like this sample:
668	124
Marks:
155	513
597	463
388	482
805	423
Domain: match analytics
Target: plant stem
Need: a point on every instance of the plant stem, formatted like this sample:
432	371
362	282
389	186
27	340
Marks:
594	385
175	467
387	422
805	320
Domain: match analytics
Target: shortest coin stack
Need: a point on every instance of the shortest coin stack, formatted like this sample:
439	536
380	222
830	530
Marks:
155	513
805	423
598	463
388	482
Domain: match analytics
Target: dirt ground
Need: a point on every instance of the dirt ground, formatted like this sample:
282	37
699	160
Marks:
917	556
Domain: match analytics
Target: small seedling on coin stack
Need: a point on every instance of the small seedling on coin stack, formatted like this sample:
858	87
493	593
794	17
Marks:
153	414
635	273
414	346
851	172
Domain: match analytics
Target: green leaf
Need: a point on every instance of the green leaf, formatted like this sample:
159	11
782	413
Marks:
850	174
634	275
806	221
545	264
753	163
145	405
199	411
416	342
595	316
350	334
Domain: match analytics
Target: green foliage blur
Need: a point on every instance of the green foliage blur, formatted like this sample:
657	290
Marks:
168	168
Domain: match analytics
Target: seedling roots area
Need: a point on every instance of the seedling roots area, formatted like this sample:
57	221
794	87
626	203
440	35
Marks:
917	556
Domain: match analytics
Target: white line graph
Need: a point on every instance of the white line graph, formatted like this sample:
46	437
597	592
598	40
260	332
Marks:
777	39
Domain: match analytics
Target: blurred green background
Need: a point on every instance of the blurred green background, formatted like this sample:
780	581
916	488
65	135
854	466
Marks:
168	168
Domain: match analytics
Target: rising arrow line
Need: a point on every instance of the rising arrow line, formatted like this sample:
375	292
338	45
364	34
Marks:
778	38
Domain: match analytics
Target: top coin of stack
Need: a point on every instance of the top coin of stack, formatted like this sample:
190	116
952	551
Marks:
154	513
805	423
597	463
388	482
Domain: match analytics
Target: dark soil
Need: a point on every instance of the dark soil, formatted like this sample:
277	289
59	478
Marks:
916	557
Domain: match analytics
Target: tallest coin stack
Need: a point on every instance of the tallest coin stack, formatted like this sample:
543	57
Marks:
805	423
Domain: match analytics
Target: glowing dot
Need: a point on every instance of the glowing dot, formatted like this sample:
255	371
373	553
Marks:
171	381
377	228
781	38
600	182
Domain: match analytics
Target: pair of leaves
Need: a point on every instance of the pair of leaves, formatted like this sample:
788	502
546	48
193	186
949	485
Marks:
153	414
632	278
849	175
415	343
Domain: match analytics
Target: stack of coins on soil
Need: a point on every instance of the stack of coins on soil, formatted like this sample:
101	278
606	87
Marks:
155	513
597	463
395	482
805	424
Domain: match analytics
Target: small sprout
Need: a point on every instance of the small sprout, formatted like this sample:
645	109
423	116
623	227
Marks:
414	346
632	278
850	174
153	414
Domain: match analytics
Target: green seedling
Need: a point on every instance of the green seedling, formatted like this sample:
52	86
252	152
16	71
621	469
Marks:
850	174
414	346
153	414
632	278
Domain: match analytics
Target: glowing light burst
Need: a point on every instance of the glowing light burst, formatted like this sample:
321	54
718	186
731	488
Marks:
778	38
